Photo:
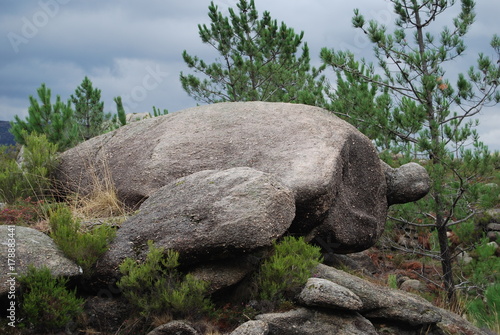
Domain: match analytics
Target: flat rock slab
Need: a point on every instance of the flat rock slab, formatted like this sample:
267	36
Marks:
304	322
381	302
21	247
320	292
207	215
332	168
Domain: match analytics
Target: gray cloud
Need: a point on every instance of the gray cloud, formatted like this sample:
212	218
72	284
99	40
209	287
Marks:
119	44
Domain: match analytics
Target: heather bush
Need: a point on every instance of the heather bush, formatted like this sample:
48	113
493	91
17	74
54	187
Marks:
46	304
157	287
287	270
23	212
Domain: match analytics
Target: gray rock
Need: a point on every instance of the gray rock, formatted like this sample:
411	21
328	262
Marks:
452	323
493	244
206	216
407	183
494	213
26	247
224	273
492	235
253	327
324	293
304	322
412	285
400	308
107	315
493	227
464	257
383	302
333	169
174	327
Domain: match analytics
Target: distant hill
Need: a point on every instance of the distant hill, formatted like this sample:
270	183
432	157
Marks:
6	138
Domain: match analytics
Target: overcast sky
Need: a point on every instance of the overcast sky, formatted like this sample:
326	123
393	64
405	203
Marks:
133	49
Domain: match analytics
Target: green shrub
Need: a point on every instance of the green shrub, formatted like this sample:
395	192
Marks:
484	269
13	184
288	269
392	281
45	302
84	248
485	312
156	287
32	177
467	233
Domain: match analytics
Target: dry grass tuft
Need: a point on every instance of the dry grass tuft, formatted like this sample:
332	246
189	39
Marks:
101	200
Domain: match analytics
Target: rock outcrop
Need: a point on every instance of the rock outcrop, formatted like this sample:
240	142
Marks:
22	247
333	170
349	305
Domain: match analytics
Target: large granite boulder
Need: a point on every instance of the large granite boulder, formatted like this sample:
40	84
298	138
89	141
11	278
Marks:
206	216
22	247
332	168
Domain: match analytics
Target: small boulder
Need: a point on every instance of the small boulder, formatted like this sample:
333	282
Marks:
253	327
412	285
23	246
324	293
223	273
174	327
407	183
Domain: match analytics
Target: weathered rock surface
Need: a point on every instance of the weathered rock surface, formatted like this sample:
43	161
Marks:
205	216
372	309
30	247
332	169
324	293
174	327
224	273
305	321
381	302
398	307
407	183
253	327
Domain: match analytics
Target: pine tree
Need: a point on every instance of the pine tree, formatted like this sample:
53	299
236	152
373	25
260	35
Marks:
120	111
429	115
258	61
53	120
89	110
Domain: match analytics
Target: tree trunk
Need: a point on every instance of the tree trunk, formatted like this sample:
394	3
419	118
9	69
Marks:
449	286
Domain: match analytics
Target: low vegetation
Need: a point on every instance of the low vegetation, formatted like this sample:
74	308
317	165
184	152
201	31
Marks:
31	177
46	304
286	271
156	287
83	247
